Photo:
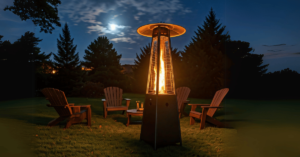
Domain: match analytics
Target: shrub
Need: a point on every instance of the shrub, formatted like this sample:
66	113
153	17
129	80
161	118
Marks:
92	90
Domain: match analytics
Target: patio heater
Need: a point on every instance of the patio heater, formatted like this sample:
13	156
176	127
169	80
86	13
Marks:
160	124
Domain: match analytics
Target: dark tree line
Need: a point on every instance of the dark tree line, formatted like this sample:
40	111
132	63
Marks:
26	70
213	61
21	66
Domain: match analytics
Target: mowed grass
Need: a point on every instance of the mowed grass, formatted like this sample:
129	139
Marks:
260	128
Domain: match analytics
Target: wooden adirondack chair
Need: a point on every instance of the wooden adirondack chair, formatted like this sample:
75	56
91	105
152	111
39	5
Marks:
113	101
208	110
182	95
74	114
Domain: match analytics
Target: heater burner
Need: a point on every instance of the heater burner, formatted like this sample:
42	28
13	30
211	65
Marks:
160	124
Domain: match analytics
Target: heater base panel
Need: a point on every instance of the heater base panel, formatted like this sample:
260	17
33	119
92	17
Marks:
160	125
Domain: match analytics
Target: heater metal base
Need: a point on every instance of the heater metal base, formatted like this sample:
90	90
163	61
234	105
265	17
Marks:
160	125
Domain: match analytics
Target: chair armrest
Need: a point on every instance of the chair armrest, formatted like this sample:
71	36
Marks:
71	104
187	101
127	102
75	109
211	106
199	104
103	100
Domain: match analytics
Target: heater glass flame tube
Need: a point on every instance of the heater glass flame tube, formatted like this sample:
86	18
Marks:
166	78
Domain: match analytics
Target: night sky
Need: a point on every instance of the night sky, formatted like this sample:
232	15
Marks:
270	26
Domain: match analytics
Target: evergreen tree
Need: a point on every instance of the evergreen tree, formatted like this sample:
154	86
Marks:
141	68
5	47
19	61
69	75
104	61
246	69
205	59
177	67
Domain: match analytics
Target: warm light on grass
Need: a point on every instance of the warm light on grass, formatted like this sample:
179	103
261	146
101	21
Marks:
110	137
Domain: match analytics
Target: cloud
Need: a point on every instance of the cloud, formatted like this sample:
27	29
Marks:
134	33
121	34
103	30
155	6
136	17
274	50
273	55
115	16
275	45
140	13
97	28
123	39
84	10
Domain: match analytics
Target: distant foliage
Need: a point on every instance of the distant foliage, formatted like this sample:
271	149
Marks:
42	12
19	64
92	90
246	70
282	84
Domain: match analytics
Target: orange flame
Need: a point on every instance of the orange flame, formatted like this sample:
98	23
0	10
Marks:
162	82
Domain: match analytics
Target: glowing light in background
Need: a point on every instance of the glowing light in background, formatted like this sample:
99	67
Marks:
113	26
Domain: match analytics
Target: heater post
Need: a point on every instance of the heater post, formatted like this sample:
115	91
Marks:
161	124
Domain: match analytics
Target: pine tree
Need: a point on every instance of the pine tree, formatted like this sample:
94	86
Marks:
104	61
69	74
140	70
205	59
246	70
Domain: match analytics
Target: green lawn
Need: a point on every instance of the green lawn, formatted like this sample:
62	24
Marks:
261	128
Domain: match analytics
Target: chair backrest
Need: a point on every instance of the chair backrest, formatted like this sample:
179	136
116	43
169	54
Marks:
182	95
113	96
58	100
219	96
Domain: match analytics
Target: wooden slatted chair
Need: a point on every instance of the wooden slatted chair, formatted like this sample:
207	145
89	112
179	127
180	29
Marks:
74	114
208	110
113	101
182	95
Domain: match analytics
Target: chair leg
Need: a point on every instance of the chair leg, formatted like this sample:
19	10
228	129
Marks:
203	118
192	120
105	114
179	115
69	123
56	121
89	116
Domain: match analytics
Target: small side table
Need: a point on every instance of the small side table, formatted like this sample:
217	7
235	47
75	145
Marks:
133	112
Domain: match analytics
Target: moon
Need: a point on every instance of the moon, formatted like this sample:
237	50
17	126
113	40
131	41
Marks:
113	26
